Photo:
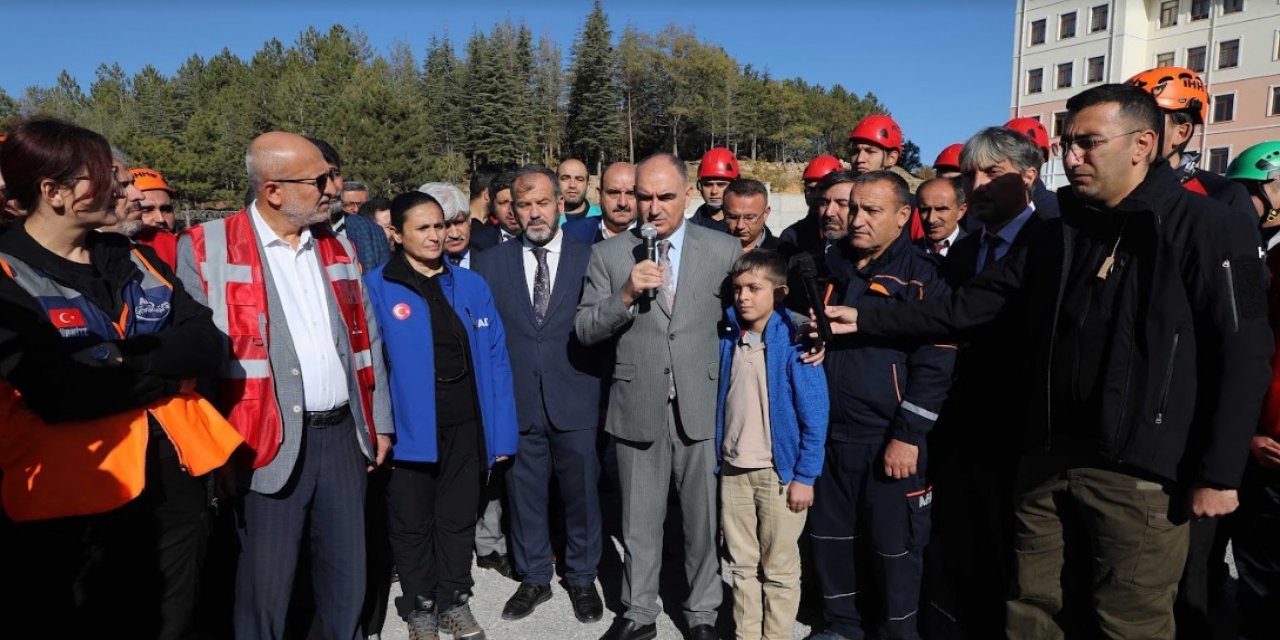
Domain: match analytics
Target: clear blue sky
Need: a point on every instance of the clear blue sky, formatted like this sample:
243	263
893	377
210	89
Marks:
941	67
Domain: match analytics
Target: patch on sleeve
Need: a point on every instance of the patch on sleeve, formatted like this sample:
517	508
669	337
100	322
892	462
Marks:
1249	278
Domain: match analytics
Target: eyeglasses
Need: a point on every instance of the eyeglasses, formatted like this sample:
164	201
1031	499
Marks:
321	181
749	219
1085	144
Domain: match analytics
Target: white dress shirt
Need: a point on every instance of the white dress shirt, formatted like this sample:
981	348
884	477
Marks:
531	262
301	285
949	240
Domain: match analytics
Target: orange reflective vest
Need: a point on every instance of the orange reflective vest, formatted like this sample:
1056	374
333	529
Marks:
92	466
229	262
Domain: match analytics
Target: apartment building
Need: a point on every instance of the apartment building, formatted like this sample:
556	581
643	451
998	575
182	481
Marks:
1062	47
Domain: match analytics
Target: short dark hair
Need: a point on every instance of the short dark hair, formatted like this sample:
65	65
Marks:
401	204
955	183
747	187
484	174
48	148
1180	118
767	262
834	178
372	206
535	170
501	182
1136	105
901	191
330	154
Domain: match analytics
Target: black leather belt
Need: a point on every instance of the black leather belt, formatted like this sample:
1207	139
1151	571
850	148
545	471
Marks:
322	419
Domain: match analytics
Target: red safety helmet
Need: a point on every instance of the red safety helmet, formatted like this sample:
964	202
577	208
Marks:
1034	131
879	130
950	157
820	166
718	162
1175	89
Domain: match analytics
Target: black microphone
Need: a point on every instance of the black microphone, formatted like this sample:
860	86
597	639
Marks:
650	235
808	273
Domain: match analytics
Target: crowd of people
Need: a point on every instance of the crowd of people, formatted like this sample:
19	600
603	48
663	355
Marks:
981	409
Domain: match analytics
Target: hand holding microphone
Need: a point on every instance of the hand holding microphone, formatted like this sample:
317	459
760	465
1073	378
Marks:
646	275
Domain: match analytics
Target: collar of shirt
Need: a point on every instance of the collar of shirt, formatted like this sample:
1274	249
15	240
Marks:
269	238
1009	232
951	239
552	246
606	233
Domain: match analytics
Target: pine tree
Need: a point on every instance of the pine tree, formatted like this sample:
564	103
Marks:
592	125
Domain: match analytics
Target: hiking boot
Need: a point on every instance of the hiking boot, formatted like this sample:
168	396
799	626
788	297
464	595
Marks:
458	620
423	622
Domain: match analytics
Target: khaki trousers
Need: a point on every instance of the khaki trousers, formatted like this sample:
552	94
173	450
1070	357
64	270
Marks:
762	536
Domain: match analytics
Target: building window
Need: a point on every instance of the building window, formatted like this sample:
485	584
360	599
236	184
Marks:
1059	123
1195	59
1228	54
1218	159
1275	102
1037	32
1067	26
1035	80
1224	107
1064	74
1200	9
1168	13
1232	6
1098	18
1094	72
1164	59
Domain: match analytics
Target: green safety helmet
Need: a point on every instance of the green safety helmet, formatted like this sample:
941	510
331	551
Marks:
1259	163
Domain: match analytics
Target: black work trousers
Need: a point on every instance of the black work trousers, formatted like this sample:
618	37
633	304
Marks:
1256	543
131	572
431	510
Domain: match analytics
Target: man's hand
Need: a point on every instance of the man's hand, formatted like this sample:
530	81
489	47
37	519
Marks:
645	275
1208	502
799	496
384	447
842	319
815	355
1266	451
498	459
900	459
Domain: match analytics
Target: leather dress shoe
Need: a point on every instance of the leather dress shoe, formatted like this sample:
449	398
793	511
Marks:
587	606
703	632
527	598
627	629
499	562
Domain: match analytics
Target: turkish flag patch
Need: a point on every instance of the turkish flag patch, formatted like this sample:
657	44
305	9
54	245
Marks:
66	318
401	311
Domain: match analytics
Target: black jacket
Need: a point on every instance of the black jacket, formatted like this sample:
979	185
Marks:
1045	200
885	387
702	218
37	361
1186	370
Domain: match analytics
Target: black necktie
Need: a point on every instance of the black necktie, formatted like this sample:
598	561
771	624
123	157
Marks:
455	260
541	286
993	243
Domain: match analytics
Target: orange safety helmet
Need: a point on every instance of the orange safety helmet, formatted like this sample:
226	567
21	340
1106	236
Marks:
1175	89
718	162
1034	131
950	157
149	180
820	166
880	130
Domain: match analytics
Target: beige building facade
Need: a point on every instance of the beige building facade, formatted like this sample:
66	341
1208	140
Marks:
1062	47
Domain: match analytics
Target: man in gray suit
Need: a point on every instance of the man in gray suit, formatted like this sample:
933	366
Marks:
305	384
663	398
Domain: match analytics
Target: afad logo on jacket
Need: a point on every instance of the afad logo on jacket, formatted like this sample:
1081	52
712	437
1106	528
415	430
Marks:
149	311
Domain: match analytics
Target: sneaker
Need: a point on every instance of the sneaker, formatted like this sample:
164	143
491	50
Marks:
423	625
459	621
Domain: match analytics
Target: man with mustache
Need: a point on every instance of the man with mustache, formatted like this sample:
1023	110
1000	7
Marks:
617	206
574	181
458	247
941	204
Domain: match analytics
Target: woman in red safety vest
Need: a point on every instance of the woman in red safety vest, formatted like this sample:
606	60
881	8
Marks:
104	446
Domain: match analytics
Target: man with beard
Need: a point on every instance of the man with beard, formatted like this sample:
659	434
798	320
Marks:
718	168
369	239
941	204
617	206
500	208
806	233
536	283
157	215
128	208
574	180
832	204
305	384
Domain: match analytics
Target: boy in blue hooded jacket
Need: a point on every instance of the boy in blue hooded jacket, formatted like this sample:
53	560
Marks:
771	427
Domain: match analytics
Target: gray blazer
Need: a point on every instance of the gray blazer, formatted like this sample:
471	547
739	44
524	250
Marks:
288	378
652	342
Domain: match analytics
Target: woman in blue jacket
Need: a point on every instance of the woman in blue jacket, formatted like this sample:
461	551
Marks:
451	392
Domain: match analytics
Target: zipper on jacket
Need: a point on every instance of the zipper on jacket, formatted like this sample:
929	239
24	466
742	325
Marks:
1231	295
1168	379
